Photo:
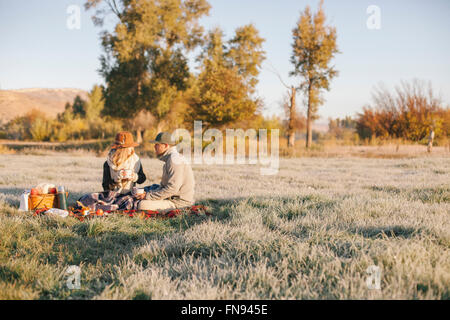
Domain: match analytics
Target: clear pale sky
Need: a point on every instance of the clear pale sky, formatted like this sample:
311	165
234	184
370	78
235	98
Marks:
38	50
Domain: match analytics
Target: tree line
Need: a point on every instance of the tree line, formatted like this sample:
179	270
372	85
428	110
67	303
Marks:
146	70
150	84
80	120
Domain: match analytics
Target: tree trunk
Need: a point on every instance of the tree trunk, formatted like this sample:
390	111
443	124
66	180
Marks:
309	121
430	141
308	132
138	135
291	128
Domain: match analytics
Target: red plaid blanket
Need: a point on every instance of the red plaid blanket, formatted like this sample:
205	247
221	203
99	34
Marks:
84	213
107	201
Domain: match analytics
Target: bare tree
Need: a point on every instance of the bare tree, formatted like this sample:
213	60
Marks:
294	121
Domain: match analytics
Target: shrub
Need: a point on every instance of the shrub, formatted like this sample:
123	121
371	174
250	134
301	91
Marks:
408	113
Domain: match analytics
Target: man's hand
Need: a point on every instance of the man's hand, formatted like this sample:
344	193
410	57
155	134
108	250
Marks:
140	196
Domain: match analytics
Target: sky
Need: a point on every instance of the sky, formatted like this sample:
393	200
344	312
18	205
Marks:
38	50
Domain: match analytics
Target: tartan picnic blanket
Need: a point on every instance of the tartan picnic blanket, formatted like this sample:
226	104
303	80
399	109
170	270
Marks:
83	214
112	202
197	210
108	201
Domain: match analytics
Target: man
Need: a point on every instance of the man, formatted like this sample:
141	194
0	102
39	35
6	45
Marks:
177	183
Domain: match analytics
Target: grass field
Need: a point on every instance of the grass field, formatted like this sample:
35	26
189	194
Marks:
309	232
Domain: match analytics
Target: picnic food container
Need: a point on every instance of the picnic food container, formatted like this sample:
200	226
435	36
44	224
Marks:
58	212
41	201
135	191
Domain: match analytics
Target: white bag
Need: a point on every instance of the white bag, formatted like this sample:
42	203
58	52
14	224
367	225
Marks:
57	212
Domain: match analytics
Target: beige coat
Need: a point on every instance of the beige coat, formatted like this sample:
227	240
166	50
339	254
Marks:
177	182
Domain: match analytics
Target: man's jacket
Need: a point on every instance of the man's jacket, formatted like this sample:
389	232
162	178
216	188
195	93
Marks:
177	182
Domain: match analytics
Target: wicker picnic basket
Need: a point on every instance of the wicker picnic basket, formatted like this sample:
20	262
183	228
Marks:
41	201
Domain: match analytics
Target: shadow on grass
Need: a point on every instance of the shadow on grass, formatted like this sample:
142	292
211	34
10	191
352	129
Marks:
97	244
74	196
11	195
386	232
319	206
8	275
113	242
102	244
438	194
89	252
9	192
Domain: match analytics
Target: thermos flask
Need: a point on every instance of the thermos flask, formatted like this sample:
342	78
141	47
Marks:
62	198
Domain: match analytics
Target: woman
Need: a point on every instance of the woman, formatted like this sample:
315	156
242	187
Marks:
123	168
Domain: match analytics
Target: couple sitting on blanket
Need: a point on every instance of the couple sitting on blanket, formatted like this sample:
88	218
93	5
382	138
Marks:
123	170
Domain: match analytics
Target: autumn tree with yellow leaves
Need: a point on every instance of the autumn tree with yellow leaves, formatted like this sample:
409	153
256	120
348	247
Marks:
225	88
145	63
314	47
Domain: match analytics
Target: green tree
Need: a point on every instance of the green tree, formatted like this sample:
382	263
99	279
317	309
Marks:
95	103
313	48
67	115
79	107
144	64
246	53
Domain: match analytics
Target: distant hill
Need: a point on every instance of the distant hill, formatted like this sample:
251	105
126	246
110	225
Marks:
15	103
320	127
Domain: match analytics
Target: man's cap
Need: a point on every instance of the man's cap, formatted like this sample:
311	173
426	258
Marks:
124	139
164	137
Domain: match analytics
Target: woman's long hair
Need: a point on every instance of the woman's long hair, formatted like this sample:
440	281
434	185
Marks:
120	155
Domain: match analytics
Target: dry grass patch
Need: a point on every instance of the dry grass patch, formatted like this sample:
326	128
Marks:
309	232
